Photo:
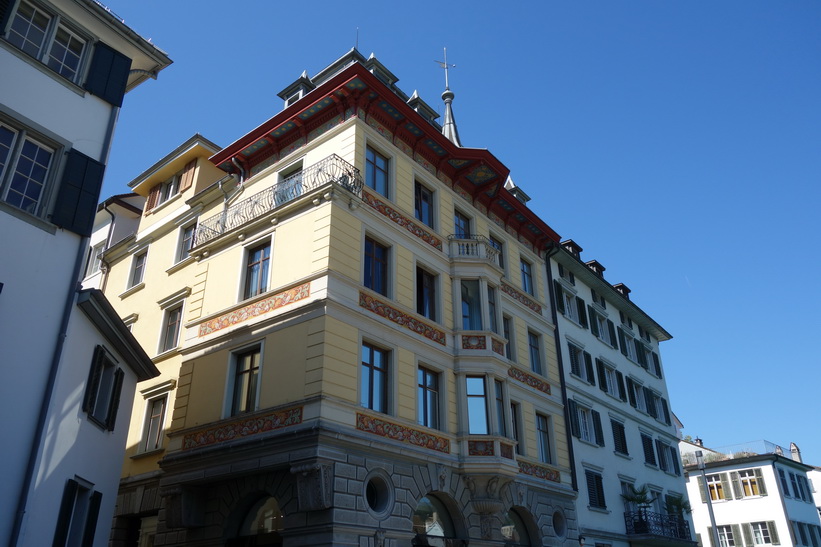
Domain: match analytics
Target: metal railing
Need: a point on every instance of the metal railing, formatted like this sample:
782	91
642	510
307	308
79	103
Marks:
656	524
473	246
331	170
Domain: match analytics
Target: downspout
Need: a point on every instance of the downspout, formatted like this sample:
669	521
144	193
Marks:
552	250
243	174
104	266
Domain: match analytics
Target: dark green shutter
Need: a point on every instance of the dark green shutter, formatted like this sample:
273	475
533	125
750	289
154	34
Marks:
66	512
594	325
674	457
620	382
725	486
558	295
573	416
656	364
597	430
79	193
773	532
602	377
640	355
588	366
666	411
111	419
736	482
574	359
622	343
648	402
91	519
759	479
94	375
582	316
621	316
108	74
702	488
611	330
630	394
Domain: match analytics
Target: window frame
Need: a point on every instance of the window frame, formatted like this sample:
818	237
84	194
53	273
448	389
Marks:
372	155
427	299
474	320
424	204
105	382
263	278
462	225
472	400
94	262
136	274
499	245
499	403
535	351
171	328
185	243
508	333
150	419
16	155
79	510
373	375
428	398
372	277
528	278
544	438
238	404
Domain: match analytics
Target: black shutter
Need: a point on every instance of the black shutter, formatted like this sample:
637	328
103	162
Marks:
90	400
588	367
602	377
66	512
656	364
621	316
650	407
108	74
111	419
622	344
574	418
611	329
662	455
574	359
640	355
582	315
79	192
559	300
91	519
649	455
666	411
674	459
594	325
5	12
597	430
630	393
620	380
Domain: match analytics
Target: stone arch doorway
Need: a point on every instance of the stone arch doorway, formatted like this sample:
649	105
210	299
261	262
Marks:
519	529
436	522
259	525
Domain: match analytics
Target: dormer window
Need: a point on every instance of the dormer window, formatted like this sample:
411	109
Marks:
293	98
170	188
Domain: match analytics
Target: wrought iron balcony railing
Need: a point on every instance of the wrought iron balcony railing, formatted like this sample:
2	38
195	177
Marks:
331	170
473	246
657	524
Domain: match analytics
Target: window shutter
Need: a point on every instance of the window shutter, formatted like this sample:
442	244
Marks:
574	418
649	454
674	458
748	533
91	519
93	384
5	12
725	486
648	402
597	427
588	365
642	357
662	455
602	377
108	74
611	330
736	533
188	176
620	381
759	479
582	316
594	325
702	489
656	364
153	198
621	316
79	192
666	411
558	295
737	492
710	535
773	532
622	343
66	512
630	393
574	359
111	419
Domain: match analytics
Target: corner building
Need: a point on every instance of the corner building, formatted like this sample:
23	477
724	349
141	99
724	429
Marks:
351	315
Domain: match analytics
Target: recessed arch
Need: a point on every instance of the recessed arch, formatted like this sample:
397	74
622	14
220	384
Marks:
519	528
436	516
257	520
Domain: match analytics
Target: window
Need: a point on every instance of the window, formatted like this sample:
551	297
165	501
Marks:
748	482
492	310
515	417
647	446
94	261
725	536
628	345
507	333
501	419
246	381
138	268
105	382
543	437
77	520
581	363
619	437
256	270
718	487
527	277
567	275
171	328
169	188
376	171
477	405
425	293
595	489
47	38
471	305
585	423
653	357
500	248
602	328
153	426
635	394
628	491
760	533
24	167
461	225
373	388
423	203
667	457
376	266
625	320
610	380
784	484
598	299
535	345
427	404
186	241
794	481
289	184
572	307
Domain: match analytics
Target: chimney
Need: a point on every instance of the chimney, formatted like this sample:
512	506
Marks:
795	453
699	441
596	267
572	247
623	289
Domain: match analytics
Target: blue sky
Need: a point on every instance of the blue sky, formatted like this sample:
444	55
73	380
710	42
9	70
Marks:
678	142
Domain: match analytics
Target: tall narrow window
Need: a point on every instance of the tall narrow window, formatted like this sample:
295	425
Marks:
186	241
500	248
246	381
461	225
256	270
595	489
515	418
376	171
535	346
153	427
425	293
373	387
94	262
477	405
138	269
77	519
527	277
543	434
500	408
471	305
619	437
427	404
376	266
105	382
507	333
491	309
423	203
171	328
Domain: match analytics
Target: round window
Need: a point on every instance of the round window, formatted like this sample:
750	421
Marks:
378	494
559	524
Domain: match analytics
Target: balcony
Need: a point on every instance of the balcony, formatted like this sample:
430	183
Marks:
473	247
657	528
331	170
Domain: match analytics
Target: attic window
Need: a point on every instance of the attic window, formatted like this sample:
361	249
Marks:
293	98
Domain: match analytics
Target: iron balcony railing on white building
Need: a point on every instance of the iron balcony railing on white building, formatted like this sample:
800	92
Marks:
331	170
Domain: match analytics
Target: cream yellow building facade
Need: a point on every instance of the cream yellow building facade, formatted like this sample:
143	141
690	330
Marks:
351	316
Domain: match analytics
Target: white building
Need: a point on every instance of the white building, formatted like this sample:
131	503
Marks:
116	219
621	427
759	492
65	66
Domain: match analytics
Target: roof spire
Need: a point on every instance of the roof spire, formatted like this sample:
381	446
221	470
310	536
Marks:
449	126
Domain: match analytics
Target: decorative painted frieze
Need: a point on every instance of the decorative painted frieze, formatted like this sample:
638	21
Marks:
473	342
401	220
498	346
400	318
480	448
521	298
539	471
506	450
243	428
396	432
258	308
529	379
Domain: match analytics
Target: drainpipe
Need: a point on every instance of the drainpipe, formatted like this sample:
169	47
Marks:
104	266
552	250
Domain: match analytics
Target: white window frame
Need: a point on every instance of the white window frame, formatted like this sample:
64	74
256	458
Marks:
545	436
182	251
133	282
230	383
22	135
94	264
150	396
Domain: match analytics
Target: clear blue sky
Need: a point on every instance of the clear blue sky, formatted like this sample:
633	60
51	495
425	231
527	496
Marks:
678	142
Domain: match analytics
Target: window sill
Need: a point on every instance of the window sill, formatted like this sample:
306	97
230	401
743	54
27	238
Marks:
132	290
624	456
147	453
165	203
602	510
180	265
162	356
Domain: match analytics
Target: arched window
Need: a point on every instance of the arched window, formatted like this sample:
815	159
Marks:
514	530
261	526
432	523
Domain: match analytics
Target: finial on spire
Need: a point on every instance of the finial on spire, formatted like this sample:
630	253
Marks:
449	125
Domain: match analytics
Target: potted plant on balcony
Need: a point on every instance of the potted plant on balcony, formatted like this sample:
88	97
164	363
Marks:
676	507
642	498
